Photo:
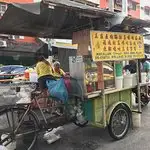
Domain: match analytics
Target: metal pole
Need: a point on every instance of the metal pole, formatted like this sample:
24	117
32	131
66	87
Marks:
138	85
49	45
111	5
125	7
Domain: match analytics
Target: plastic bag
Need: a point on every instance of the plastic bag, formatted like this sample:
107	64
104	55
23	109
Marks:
67	84
57	89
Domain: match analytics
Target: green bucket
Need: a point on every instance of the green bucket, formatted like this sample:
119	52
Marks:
118	69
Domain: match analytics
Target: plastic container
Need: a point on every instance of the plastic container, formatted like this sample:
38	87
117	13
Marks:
134	104
119	82
127	81
134	79
118	69
3	147
26	74
143	77
136	118
33	77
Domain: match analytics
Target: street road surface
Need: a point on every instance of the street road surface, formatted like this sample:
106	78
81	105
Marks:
89	138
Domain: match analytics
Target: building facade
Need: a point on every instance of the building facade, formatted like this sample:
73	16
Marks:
145	9
132	6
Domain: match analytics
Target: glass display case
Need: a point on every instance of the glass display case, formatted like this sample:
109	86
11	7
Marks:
86	71
91	78
91	75
108	74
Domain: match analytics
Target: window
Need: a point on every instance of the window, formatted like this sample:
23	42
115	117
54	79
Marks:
147	11
133	5
3	8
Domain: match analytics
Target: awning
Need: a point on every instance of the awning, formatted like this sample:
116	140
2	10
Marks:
65	46
119	22
72	5
59	19
21	47
54	18
135	22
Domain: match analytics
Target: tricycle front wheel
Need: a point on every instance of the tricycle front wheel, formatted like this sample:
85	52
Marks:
79	117
119	123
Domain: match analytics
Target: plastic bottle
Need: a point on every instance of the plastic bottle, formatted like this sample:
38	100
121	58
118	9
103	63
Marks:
33	76
26	74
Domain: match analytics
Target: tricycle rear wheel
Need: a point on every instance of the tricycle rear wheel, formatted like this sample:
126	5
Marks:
119	123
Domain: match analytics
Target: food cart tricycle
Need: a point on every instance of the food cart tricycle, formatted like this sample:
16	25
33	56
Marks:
108	93
102	97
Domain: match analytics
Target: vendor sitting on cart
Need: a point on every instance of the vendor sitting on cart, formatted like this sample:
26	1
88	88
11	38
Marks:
44	71
57	71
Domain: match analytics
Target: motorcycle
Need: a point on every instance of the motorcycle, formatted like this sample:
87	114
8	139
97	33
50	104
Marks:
145	95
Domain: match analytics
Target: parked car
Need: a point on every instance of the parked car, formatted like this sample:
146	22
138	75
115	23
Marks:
19	70
11	69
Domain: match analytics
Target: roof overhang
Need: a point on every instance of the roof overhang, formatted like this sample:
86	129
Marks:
118	22
76	6
60	18
43	19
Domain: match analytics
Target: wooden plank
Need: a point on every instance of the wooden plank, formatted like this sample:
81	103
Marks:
81	37
100	75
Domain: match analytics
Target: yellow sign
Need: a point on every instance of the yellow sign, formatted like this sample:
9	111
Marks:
116	46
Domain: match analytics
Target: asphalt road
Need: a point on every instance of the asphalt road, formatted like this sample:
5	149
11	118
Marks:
89	138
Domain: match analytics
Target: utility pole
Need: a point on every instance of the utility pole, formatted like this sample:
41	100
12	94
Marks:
125	7
111	5
49	44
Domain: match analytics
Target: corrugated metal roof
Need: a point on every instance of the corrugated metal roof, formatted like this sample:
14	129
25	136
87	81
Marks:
76	5
135	22
39	20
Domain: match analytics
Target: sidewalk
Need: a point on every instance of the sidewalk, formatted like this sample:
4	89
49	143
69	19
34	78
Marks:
137	139
89	138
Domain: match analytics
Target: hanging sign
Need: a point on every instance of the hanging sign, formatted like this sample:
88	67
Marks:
116	46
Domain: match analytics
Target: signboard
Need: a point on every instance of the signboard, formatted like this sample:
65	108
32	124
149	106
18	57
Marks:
116	46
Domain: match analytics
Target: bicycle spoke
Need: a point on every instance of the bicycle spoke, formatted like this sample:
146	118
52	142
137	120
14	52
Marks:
24	128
